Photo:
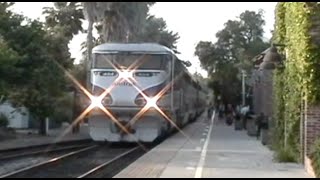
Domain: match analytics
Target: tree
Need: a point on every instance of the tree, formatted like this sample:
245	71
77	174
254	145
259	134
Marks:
127	22
8	60
118	21
65	18
243	38
238	42
90	13
36	81
155	30
63	21
123	22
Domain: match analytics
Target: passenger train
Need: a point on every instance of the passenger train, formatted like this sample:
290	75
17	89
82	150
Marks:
134	74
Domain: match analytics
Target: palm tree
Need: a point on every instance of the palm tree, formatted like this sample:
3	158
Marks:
90	12
122	21
62	22
65	16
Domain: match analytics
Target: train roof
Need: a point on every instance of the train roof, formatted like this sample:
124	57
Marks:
132	47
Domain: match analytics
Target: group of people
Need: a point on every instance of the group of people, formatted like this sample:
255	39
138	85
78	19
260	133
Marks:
231	113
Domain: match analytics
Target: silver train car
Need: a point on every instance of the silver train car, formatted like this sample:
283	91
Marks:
134	74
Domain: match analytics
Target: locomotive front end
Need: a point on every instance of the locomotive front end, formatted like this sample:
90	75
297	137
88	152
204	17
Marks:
130	88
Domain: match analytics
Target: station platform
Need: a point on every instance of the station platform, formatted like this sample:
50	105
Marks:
211	149
26	138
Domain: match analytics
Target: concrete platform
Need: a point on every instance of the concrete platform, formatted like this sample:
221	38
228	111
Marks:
25	139
211	149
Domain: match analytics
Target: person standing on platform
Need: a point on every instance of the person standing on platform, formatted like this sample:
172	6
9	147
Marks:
244	115
221	110
229	114
259	124
209	112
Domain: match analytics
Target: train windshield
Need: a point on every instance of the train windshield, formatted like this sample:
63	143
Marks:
136	61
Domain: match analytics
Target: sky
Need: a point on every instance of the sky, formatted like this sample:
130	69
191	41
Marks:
194	21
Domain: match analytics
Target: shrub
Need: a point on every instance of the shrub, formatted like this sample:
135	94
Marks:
315	157
285	155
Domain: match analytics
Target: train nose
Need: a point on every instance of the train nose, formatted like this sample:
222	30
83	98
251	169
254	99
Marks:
123	127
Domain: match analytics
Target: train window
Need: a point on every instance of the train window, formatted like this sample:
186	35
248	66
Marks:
103	61
151	62
141	61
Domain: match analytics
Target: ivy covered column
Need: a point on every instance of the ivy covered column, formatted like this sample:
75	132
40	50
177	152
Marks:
297	86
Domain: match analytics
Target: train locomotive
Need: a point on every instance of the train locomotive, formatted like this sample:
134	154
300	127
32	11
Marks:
141	79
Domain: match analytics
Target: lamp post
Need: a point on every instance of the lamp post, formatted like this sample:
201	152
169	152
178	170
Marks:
243	74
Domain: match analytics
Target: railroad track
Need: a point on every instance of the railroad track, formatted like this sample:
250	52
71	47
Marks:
9	154
93	161
111	167
34	168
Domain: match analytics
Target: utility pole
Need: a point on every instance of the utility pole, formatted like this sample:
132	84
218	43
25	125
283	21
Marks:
76	126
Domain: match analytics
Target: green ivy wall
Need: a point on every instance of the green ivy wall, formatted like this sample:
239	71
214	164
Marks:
299	80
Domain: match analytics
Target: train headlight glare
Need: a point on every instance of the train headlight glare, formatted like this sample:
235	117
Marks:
152	102
96	101
126	74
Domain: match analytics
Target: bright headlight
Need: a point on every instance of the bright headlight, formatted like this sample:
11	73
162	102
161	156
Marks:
96	101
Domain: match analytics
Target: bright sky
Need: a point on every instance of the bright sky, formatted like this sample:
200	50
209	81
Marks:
194	21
